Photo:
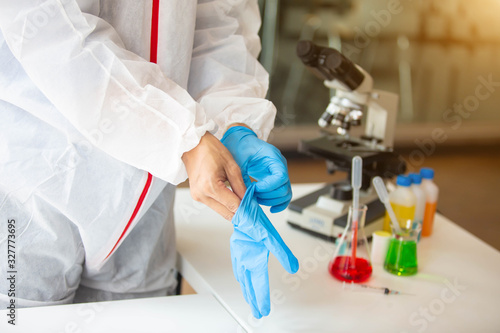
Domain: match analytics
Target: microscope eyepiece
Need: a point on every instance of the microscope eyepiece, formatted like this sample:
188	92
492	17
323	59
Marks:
345	70
307	52
329	64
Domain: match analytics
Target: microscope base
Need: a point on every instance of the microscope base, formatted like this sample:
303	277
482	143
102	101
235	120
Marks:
320	215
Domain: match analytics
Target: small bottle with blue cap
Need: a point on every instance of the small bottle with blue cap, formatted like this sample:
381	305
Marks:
416	187
431	191
403	202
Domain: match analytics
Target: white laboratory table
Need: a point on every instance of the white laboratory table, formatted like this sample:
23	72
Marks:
457	288
189	313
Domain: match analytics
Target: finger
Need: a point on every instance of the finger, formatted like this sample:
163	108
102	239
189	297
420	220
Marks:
252	300
247	180
260	283
219	208
279	249
281	191
238	269
235	178
234	258
279	208
243	285
277	246
275	201
226	198
277	178
270	202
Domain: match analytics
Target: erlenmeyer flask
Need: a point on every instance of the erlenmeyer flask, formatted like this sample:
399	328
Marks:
351	261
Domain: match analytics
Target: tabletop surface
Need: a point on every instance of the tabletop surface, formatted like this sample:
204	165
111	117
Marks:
188	313
456	290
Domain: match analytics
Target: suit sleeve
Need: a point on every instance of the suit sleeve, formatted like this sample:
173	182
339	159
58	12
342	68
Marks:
226	77
117	100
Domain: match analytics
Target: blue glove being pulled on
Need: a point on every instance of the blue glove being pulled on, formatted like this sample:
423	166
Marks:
263	162
253	237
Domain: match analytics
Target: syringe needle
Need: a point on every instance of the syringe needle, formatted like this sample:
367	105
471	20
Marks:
378	290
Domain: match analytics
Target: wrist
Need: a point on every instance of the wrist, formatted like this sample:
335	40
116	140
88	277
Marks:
241	131
187	154
237	124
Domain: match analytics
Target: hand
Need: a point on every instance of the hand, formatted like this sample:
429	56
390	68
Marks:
264	163
253	237
209	165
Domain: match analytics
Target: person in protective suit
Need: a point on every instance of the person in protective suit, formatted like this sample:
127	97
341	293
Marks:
105	106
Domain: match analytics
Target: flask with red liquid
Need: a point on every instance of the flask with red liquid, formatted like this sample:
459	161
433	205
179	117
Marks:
351	262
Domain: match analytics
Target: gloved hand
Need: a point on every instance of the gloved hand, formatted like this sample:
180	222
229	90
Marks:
263	162
253	237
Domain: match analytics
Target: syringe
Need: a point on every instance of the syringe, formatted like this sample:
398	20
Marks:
378	290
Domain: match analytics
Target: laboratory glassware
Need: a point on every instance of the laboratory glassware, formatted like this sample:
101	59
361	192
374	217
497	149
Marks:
401	256
351	261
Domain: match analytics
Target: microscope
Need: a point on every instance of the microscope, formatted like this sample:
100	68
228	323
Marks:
323	213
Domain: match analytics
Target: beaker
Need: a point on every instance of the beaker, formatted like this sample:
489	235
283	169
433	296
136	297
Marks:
351	261
401	256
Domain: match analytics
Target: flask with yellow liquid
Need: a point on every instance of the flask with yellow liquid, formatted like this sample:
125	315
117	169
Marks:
403	203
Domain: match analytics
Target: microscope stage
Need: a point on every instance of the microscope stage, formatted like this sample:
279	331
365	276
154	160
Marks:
318	214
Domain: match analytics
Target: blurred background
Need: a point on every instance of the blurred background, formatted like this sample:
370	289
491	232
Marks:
443	59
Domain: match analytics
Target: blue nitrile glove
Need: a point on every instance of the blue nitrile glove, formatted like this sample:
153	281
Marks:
253	237
263	162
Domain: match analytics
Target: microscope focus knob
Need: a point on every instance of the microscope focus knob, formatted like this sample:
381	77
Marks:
341	191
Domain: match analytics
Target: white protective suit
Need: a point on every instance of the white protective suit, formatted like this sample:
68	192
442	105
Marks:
92	133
